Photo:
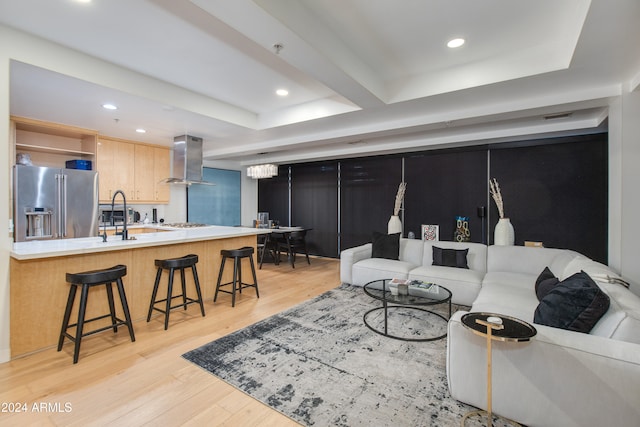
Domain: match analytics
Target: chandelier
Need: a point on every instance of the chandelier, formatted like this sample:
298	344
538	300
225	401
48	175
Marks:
262	171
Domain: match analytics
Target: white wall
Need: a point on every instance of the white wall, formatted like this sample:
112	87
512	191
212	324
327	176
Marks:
5	237
629	214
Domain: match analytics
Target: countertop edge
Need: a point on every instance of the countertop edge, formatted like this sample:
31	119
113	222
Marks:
51	249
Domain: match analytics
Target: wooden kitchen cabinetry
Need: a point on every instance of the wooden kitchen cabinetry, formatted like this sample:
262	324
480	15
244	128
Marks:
134	168
52	144
115	164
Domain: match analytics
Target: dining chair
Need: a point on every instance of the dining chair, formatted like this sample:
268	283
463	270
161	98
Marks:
267	246
294	242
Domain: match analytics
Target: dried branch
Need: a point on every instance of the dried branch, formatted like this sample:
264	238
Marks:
494	189
399	197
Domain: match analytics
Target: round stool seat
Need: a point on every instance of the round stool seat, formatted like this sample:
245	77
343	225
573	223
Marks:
97	276
182	262
237	253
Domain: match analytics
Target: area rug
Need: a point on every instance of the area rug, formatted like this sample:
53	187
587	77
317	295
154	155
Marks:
318	364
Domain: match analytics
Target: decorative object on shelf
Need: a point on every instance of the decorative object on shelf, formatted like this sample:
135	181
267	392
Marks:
504	234
411	235
430	232
462	233
262	171
395	225
24	159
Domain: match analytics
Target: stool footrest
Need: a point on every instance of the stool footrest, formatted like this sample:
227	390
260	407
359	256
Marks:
184	304
119	322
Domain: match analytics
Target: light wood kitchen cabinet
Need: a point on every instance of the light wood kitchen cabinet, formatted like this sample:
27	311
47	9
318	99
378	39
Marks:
116	165
134	168
144	173
161	170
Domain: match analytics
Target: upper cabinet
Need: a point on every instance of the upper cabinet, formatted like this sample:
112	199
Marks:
116	165
130	166
52	144
134	168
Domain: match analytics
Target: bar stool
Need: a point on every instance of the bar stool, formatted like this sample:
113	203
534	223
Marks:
237	255
86	280
172	265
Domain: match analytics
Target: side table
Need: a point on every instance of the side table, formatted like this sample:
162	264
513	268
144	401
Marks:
496	327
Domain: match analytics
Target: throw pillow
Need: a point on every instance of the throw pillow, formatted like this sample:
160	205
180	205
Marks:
576	304
450	257
545	282
386	245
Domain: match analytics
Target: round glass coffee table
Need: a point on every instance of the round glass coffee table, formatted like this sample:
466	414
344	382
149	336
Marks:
416	298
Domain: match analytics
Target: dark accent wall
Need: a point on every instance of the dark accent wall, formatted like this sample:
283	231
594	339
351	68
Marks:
555	191
368	188
273	196
314	204
444	184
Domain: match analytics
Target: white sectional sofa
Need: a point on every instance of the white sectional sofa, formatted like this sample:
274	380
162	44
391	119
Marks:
560	377
415	262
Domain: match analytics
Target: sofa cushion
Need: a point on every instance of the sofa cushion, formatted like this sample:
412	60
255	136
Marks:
450	257
370	269
464	284
386	245
501	297
576	304
545	282
526	259
622	321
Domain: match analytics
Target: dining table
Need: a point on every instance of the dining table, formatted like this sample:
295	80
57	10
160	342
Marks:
279	234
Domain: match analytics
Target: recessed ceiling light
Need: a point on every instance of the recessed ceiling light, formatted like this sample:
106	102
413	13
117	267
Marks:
109	107
83	1
455	43
282	92
140	130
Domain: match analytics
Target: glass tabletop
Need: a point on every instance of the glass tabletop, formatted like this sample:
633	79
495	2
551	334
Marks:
514	329
417	292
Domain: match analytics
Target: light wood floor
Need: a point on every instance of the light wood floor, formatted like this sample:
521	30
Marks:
117	382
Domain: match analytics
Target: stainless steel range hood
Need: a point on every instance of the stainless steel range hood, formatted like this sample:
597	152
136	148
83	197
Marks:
187	161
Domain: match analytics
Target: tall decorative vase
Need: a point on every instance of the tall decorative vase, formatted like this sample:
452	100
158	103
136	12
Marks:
395	225
504	235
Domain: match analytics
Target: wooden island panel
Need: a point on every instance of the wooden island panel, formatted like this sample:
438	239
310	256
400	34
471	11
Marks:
39	289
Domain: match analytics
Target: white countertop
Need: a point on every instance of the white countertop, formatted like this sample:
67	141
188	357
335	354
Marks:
61	247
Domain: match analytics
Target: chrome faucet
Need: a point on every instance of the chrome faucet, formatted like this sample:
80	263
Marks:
125	233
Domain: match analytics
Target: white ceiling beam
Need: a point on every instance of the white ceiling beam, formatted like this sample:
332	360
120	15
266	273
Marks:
306	46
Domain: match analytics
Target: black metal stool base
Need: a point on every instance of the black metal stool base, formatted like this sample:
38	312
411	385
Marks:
237	283
187	261
86	280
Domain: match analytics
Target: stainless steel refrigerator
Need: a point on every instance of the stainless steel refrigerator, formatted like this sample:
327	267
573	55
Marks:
52	203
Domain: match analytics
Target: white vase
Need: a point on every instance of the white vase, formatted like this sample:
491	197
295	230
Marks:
504	235
395	225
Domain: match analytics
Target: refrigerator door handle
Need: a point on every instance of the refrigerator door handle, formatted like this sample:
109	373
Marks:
63	221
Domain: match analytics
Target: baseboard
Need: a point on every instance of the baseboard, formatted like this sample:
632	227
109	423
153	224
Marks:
5	355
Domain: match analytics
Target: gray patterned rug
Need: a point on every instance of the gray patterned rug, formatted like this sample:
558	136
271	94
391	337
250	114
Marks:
318	364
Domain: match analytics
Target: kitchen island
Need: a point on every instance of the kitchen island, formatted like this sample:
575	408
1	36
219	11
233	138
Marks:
38	284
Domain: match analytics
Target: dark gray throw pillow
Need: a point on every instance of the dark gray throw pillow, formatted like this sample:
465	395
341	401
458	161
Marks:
386	246
576	304
450	257
545	282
